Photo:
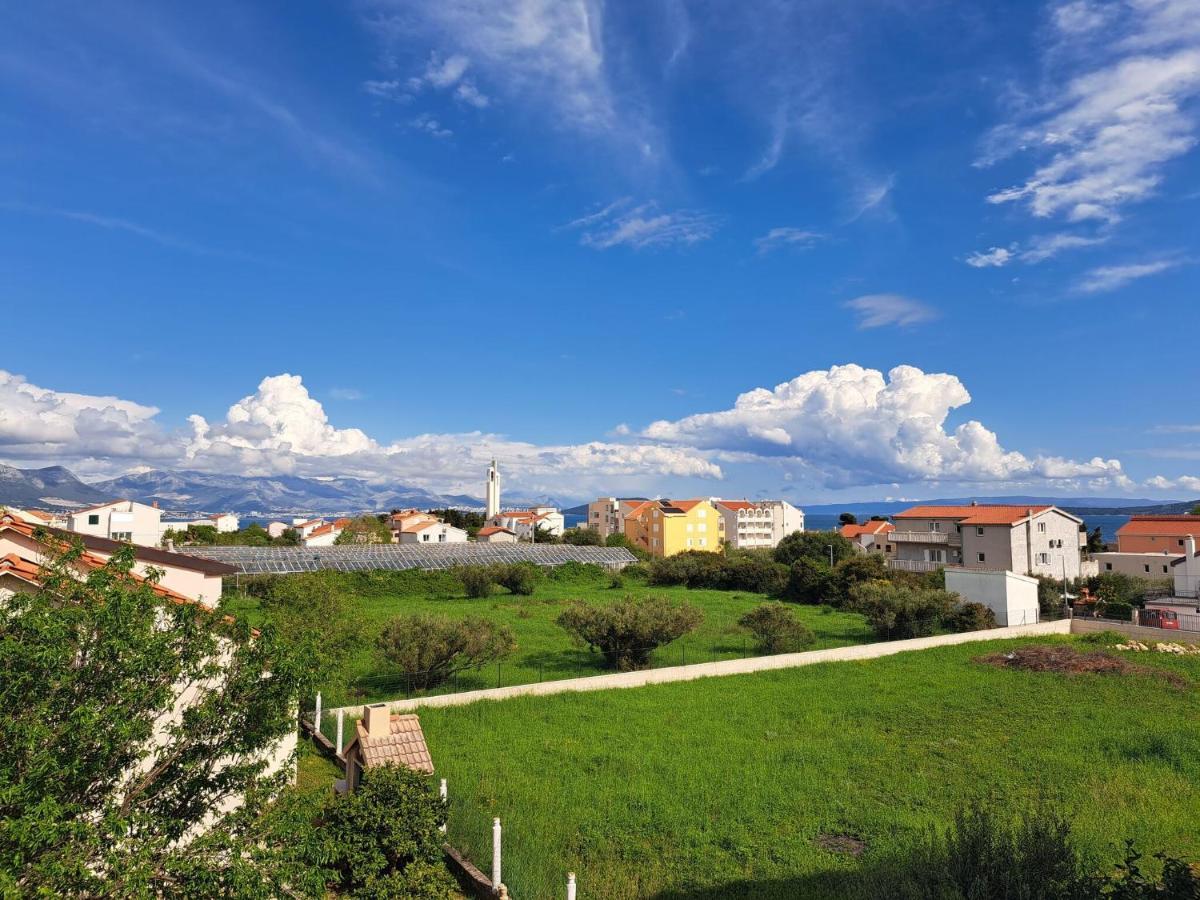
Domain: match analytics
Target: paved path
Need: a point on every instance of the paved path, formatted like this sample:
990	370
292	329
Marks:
716	669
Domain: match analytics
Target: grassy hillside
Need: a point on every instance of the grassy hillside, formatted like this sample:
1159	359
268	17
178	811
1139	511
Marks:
757	785
544	651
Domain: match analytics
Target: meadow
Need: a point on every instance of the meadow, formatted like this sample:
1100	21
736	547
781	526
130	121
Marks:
792	783
544	651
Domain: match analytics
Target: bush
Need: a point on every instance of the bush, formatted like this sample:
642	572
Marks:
384	838
809	581
1121	612
738	571
583	537
430	649
365	530
814	546
518	578
971	617
856	569
898	611
636	571
776	628
628	631
477	581
616	582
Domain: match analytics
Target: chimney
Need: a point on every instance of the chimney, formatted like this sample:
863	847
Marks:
378	720
170	545
1189	548
974	502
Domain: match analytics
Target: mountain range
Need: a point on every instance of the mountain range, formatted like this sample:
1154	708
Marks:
199	492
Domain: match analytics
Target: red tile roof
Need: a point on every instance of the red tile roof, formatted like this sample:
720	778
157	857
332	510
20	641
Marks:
493	529
853	531
735	504
978	514
404	745
1174	526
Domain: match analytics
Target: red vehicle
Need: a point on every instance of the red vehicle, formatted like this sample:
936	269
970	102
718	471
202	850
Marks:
1159	618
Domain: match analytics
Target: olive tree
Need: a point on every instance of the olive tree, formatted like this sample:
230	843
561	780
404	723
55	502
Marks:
629	631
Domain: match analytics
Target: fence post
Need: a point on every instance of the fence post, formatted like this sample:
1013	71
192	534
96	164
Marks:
570	886
317	714
442	793
498	674
496	854
341	719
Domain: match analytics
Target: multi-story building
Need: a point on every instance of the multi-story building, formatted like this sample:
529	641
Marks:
435	532
522	522
667	527
871	537
758	523
1028	540
119	520
607	514
1147	546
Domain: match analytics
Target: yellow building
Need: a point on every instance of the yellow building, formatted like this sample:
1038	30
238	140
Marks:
667	527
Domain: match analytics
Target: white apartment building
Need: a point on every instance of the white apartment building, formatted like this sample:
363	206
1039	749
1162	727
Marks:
119	520
434	532
1028	540
758	523
522	522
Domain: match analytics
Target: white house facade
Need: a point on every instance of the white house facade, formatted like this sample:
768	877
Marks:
120	520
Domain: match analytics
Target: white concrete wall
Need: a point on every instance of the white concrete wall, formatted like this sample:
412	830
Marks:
1159	564
1013	598
138	520
717	669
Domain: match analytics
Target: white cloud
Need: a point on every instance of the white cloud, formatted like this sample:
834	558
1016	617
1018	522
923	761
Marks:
996	256
1160	483
429	125
471	95
346	394
642	225
778	238
879	310
1047	246
872	196
1189	482
1127	109
854	426
1109	278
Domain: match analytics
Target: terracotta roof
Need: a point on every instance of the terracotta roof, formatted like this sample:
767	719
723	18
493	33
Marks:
40	514
684	505
338	525
1175	526
735	504
493	529
405	745
980	514
21	568
853	531
418	526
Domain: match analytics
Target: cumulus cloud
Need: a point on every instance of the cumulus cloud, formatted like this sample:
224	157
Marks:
427	124
1109	278
880	310
779	238
624	223
856	426
1125	109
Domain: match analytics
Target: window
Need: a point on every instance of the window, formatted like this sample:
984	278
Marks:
703	526
935	526
94	519
1164	570
701	513
1043	559
1146	567
889	548
703	542
982	557
689	526
979	530
1042	527
122	536
1108	567
441	538
425	538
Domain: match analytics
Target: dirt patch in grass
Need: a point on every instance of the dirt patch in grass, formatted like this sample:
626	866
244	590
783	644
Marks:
1064	660
844	844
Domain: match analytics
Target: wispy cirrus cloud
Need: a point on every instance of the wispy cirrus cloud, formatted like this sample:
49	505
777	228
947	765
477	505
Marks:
624	223
1120	106
787	237
1037	249
111	223
994	257
1110	278
882	310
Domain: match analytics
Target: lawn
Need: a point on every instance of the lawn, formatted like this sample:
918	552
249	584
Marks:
724	787
544	651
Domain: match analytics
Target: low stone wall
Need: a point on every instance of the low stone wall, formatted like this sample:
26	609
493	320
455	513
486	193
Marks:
724	667
1141	632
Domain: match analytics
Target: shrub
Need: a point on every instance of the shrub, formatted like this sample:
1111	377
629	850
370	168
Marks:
856	569
365	530
616	582
971	617
628	631
776	628
583	537
636	571
813	545
432	648
1121	612
477	581
518	578
898	611
809	581
384	838
740	570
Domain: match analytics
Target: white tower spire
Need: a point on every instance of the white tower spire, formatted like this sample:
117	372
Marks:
493	490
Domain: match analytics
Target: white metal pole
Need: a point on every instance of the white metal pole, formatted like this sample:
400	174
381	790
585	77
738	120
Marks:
341	720
442	793
570	886
496	854
317	714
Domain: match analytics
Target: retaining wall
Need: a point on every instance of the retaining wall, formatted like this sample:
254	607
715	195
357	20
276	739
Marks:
1141	632
724	667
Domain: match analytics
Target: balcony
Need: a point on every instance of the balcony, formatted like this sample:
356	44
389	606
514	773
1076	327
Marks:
926	537
915	565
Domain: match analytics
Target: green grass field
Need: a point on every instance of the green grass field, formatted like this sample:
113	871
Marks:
722	787
544	651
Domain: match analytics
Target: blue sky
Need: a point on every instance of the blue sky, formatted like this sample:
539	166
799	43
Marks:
573	234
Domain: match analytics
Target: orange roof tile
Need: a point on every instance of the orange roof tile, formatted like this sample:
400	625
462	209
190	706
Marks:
853	531
979	514
493	529
736	504
1173	526
405	745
